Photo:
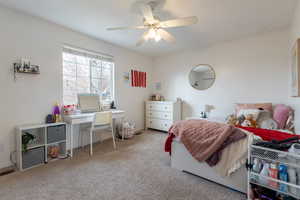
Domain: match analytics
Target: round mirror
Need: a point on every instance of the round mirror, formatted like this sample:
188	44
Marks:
202	77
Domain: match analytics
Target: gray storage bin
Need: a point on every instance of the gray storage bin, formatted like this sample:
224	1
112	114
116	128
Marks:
56	133
33	157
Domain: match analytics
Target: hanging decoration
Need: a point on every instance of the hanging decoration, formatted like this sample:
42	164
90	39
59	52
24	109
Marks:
138	79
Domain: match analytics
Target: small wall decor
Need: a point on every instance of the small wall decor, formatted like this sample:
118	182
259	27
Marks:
295	79
157	86
25	67
138	79
126	76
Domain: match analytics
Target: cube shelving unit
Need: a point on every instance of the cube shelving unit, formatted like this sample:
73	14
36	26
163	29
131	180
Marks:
37	153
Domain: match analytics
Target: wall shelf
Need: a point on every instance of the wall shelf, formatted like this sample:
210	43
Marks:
18	68
19	72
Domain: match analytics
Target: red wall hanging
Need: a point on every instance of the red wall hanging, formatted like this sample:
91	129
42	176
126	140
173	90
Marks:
138	79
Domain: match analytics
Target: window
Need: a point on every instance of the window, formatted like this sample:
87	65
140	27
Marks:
85	72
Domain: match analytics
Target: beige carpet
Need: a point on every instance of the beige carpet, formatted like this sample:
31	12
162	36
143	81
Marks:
138	170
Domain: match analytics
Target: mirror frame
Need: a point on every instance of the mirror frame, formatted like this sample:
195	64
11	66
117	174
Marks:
211	68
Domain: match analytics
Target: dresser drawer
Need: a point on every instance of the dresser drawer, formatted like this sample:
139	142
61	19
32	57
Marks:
166	125
160	107
159	124
153	123
159	115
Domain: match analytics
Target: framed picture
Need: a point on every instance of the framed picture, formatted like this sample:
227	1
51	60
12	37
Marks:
295	71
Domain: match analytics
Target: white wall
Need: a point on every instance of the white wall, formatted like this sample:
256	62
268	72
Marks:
31	98
294	35
254	69
248	70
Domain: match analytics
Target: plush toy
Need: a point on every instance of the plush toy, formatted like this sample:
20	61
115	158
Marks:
240	120
53	151
231	120
249	121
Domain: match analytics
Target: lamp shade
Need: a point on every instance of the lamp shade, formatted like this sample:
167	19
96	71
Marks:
205	108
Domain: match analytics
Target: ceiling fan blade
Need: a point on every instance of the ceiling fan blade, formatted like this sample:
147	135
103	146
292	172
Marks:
186	21
126	27
143	39
166	35
147	13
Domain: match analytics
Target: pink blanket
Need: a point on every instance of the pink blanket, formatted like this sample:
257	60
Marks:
205	140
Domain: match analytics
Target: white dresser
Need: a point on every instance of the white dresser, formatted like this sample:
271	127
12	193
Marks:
160	115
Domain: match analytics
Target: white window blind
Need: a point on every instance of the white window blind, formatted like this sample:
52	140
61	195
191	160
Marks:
86	72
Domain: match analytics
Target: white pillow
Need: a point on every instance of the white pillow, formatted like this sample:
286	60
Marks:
269	124
245	112
264	115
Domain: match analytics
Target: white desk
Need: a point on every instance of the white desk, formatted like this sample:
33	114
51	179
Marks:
83	118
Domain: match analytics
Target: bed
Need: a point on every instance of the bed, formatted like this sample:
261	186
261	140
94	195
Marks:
182	159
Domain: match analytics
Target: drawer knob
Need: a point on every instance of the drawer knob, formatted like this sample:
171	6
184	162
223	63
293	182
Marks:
166	115
150	122
166	125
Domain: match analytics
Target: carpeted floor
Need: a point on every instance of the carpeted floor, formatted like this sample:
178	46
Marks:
138	170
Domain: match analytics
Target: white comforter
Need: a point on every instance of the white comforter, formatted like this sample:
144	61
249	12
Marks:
235	155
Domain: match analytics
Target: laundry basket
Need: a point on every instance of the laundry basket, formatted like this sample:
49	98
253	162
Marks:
127	130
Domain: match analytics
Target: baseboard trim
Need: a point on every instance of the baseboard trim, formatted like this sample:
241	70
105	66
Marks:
140	131
7	170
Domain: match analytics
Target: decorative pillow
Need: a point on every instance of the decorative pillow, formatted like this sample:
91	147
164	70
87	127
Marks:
268	124
281	115
264	106
264	115
254	112
290	122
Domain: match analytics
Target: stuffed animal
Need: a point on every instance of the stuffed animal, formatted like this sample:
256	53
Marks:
249	121
53	151
240	120
231	120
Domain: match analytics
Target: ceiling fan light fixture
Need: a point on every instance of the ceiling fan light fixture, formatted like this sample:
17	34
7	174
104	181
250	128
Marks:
146	37
157	37
152	33
155	28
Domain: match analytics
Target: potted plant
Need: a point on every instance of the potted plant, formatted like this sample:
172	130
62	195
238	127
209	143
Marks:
26	139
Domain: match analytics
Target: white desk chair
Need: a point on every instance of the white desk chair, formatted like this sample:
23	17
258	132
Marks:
102	121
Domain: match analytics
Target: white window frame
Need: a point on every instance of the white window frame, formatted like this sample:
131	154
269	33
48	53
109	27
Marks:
91	55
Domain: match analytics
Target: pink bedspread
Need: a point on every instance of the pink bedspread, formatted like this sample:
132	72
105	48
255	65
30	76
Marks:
205	140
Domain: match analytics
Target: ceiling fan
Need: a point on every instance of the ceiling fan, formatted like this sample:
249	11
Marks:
155	29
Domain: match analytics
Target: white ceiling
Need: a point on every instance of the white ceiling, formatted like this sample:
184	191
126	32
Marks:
219	20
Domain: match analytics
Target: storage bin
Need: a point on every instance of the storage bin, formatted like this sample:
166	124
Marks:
33	157
56	134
